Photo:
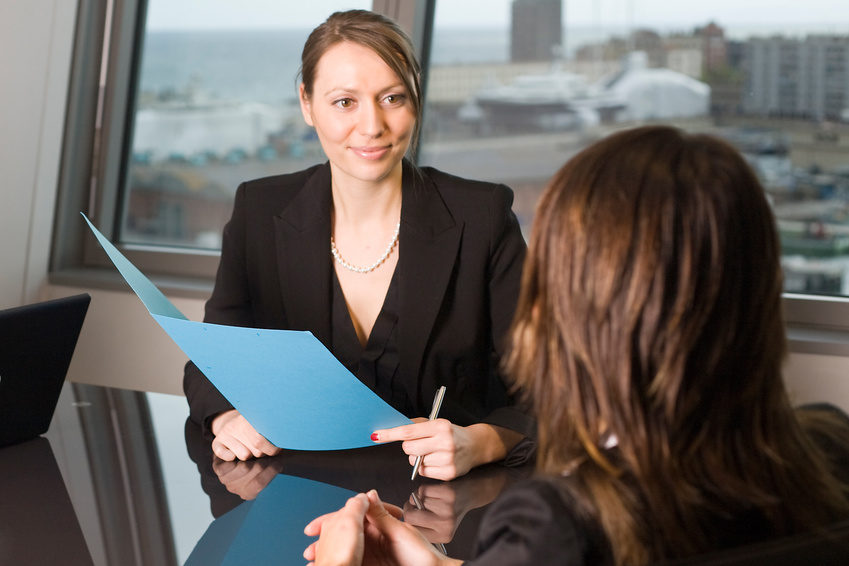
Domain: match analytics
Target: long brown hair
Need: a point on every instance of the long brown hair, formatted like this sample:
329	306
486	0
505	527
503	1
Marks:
376	32
650	318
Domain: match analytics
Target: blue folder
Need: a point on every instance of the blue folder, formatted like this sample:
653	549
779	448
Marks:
285	383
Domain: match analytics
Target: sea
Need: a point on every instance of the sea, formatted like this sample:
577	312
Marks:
240	87
262	66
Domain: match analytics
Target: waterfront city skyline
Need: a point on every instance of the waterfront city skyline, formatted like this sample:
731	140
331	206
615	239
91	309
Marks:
268	14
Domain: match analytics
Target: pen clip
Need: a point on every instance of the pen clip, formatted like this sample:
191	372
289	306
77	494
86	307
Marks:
437	402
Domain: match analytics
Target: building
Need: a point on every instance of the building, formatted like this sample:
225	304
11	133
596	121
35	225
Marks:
652	44
536	32
713	46
804	78
683	54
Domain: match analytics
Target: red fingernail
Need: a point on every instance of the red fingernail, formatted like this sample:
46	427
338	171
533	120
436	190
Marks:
375	437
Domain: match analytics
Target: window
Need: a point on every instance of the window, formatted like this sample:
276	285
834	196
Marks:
511	97
216	104
193	98
199	96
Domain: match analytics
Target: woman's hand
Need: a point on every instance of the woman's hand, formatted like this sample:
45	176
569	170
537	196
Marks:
342	540
245	479
236	439
450	451
436	514
436	509
368	532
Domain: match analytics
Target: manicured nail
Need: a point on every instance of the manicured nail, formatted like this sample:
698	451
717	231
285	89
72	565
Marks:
375	437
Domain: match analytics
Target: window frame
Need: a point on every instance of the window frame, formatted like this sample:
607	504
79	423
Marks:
96	144
817	324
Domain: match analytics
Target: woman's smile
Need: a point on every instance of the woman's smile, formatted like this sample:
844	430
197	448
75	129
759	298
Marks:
373	153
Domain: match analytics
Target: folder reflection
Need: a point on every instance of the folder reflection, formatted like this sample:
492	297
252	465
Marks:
269	529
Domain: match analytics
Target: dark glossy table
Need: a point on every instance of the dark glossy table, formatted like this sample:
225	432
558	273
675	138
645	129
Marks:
122	478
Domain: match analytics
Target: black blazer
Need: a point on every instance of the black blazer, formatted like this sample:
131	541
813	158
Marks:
461	256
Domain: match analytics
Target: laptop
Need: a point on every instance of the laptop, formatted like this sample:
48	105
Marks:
37	342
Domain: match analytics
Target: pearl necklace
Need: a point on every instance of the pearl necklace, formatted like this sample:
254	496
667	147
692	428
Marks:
373	266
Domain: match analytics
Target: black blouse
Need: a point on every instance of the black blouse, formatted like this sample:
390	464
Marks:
376	365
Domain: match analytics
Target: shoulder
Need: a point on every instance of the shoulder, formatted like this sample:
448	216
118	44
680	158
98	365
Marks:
278	187
485	208
828	427
534	522
540	499
459	190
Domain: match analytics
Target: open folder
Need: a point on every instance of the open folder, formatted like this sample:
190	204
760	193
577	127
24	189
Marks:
284	382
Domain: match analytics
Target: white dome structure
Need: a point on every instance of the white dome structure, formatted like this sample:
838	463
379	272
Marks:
651	94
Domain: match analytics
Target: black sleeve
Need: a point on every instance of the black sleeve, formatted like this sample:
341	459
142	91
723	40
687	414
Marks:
532	523
229	304
828	427
508	250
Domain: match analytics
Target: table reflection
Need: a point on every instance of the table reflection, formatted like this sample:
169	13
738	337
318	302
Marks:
269	528
447	513
34	501
123	478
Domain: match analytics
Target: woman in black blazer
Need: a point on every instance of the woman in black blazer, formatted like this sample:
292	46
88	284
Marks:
432	310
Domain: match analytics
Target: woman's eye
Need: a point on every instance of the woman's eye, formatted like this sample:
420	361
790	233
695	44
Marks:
344	103
394	99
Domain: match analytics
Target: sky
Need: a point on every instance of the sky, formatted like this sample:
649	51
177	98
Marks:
248	14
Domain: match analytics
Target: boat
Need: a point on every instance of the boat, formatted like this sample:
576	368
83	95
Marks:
557	100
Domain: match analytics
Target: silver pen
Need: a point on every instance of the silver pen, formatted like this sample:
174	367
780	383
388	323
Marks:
434	411
418	503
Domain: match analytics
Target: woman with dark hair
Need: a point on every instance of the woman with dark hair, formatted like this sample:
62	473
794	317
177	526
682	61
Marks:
649	339
408	275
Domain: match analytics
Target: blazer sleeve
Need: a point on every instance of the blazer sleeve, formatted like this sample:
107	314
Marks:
505	268
828	427
230	305
531	523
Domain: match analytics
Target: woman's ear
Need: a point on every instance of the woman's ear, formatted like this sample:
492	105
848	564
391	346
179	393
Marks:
306	107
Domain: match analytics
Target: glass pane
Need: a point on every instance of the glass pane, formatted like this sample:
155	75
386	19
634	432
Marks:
216	105
512	94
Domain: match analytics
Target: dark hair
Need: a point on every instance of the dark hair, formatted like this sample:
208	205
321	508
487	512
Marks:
650	312
376	32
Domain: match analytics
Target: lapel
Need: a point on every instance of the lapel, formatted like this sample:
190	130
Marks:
429	241
302	242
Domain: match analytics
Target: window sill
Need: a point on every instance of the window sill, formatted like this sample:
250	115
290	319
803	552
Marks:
111	280
812	340
802	338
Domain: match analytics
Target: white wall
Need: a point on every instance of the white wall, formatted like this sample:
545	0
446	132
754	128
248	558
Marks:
35	51
813	378
121	345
